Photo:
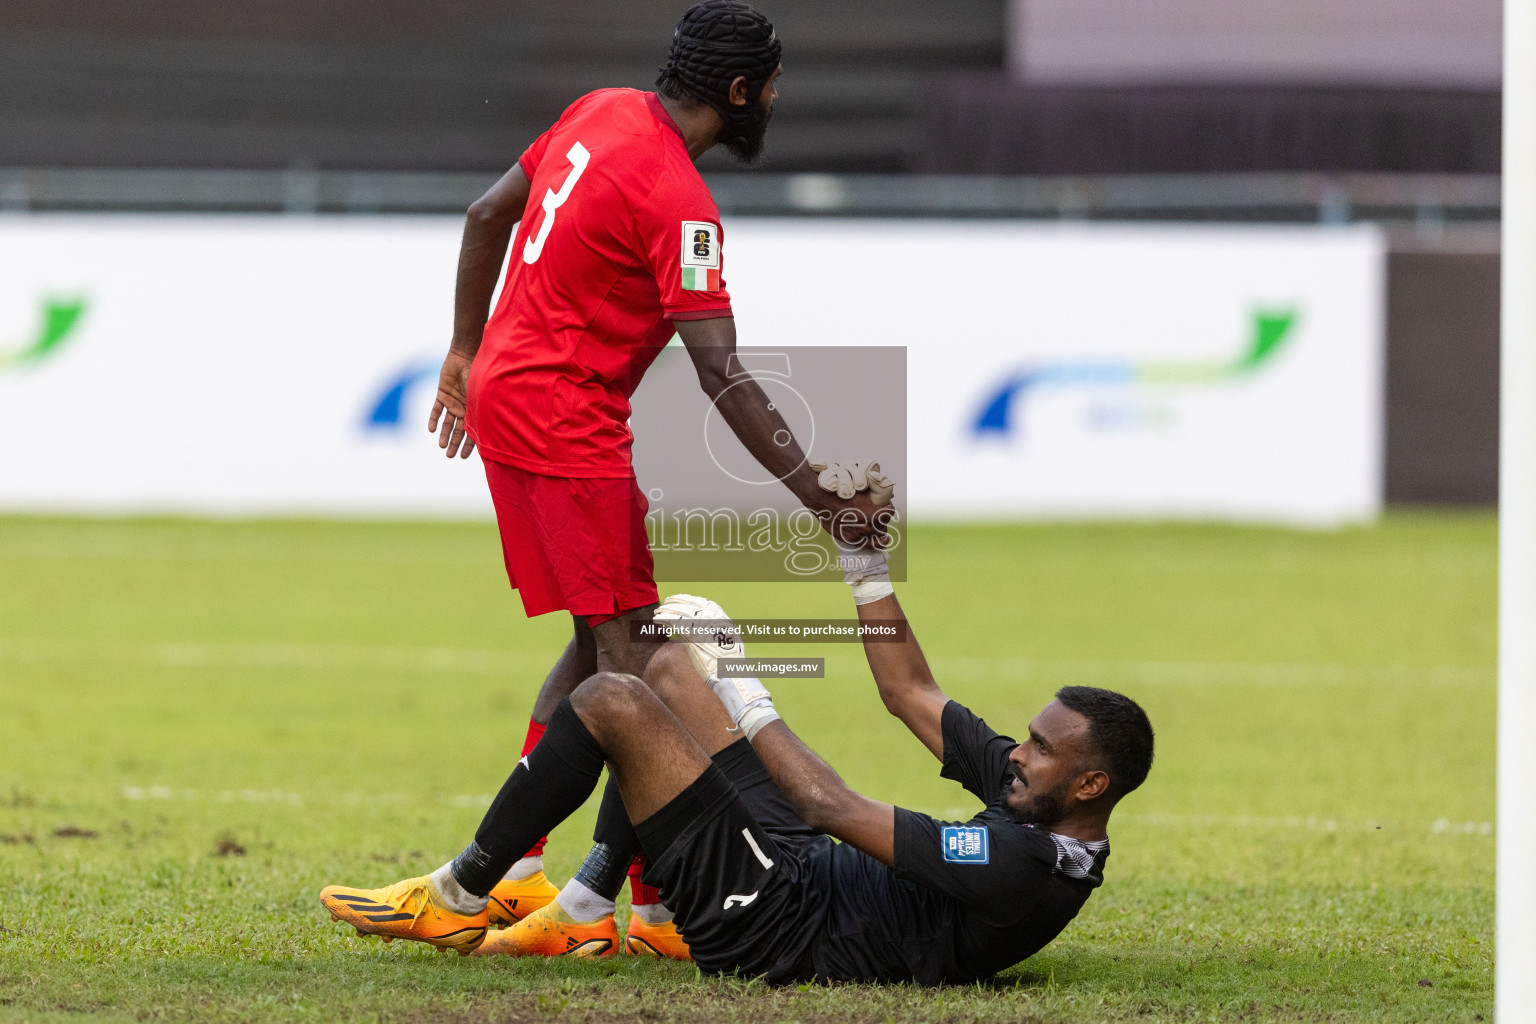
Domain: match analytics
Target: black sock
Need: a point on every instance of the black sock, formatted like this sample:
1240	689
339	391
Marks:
534	799
614	845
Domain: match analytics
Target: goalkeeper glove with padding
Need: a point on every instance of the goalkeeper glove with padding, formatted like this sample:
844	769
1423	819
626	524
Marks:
865	569
845	479
708	633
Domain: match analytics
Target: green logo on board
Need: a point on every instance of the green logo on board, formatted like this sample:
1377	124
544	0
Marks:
57	323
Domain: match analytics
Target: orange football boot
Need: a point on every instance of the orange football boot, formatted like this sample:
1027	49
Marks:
549	931
659	940
513	900
411	909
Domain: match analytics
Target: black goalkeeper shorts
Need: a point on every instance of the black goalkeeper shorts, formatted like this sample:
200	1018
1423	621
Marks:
726	855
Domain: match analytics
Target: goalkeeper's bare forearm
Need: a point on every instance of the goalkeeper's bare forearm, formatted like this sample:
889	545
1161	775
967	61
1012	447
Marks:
822	798
901	673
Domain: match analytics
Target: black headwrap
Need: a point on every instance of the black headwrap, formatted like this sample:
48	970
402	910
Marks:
716	42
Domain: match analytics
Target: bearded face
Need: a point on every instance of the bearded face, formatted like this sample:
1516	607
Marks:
743	136
1027	806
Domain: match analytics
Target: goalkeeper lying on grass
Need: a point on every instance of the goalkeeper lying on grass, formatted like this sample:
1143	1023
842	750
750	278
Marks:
737	818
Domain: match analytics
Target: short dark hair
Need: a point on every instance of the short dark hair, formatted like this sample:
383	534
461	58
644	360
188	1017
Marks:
1118	728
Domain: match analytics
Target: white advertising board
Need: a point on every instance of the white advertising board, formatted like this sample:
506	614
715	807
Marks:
228	365
1091	370
243	365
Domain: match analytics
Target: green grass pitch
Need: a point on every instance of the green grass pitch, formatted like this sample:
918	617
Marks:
338	700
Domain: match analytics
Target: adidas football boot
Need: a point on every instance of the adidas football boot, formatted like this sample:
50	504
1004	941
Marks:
513	900
549	931
411	909
658	940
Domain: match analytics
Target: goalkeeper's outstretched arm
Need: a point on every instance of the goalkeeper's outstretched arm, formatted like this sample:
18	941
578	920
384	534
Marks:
900	670
901	673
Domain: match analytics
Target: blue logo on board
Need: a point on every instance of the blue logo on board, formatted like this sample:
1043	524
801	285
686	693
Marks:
965	844
386	410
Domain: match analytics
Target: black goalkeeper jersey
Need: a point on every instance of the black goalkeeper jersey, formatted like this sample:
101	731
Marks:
965	899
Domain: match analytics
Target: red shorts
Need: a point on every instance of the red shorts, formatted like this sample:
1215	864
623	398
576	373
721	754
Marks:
573	544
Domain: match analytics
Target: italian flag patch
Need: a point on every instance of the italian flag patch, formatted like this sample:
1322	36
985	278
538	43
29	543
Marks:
701	256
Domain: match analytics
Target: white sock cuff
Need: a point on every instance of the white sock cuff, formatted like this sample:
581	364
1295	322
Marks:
524	868
652	913
458	899
581	903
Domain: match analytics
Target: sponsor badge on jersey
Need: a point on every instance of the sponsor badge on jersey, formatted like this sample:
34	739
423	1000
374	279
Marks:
965	844
701	256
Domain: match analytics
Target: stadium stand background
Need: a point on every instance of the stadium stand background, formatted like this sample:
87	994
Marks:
1297	110
455	85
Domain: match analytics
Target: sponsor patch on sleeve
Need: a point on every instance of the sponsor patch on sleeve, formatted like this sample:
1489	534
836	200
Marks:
965	844
701	256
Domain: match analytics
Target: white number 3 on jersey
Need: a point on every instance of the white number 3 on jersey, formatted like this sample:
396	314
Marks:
578	156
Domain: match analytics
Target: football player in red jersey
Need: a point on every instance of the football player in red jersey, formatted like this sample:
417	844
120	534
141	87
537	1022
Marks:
616	244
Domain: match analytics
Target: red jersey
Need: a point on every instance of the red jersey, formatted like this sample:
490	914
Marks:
620	238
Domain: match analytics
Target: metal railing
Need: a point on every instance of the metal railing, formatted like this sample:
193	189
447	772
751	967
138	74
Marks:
1425	201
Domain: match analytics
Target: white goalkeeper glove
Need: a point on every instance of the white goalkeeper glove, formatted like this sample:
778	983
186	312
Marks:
845	479
706	631
864	568
708	634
